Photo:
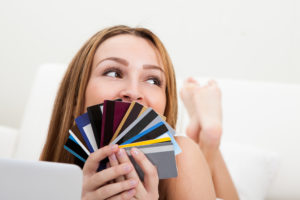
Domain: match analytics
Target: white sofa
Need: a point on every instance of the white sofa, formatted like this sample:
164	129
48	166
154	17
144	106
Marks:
260	138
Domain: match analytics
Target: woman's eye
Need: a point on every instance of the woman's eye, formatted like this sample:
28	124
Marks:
154	81
113	73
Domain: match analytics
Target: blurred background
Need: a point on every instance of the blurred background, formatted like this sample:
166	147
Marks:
249	40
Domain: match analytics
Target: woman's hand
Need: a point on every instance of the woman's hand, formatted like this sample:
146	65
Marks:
148	189
100	185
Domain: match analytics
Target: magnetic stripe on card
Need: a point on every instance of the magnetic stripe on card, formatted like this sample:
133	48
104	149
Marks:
76	148
133	115
107	122
151	133
78	142
138	126
77	133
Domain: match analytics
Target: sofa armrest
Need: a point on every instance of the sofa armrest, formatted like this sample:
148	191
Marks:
8	137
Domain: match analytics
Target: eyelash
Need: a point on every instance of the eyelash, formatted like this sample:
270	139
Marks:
156	80
119	73
113	69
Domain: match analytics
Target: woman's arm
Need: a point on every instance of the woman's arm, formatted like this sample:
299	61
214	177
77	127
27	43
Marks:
194	180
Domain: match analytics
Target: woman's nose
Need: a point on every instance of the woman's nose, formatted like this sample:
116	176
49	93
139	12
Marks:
131	92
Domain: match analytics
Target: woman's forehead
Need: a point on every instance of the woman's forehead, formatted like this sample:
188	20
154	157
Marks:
129	47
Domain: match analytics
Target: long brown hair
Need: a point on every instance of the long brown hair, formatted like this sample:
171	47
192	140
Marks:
69	101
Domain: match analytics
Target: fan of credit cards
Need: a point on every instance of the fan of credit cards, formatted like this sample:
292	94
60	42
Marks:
128	125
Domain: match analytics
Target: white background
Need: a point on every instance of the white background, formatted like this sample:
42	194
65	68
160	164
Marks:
251	39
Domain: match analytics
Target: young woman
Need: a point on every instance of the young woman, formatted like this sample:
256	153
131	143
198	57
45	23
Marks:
132	64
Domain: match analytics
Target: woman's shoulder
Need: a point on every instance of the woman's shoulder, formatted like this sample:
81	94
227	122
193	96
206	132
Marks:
191	156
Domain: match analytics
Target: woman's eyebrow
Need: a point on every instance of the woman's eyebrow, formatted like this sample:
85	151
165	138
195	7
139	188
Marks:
116	59
153	67
125	62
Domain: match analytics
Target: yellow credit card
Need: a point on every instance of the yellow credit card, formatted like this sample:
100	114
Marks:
147	142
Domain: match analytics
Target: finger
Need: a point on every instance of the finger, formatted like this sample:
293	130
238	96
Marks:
124	195
106	175
110	190
92	163
150	171
114	162
123	158
108	166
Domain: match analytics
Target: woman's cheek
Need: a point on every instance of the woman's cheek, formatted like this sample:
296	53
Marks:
156	99
98	91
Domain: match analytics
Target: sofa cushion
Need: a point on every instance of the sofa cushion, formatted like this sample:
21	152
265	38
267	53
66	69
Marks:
8	141
38	111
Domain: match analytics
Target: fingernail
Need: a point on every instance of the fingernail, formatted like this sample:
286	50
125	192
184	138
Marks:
127	167
131	192
120	152
113	147
132	182
135	151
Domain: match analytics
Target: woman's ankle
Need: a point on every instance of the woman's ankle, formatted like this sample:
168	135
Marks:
210	137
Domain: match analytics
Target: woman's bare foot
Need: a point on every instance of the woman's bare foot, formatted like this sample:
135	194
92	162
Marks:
187	96
204	107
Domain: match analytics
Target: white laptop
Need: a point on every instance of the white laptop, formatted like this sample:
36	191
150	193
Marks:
39	180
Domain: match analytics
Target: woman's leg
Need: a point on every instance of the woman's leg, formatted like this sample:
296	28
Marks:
203	104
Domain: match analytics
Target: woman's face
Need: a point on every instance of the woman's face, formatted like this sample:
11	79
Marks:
127	67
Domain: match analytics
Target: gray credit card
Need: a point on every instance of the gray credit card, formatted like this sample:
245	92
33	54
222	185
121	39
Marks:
162	156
